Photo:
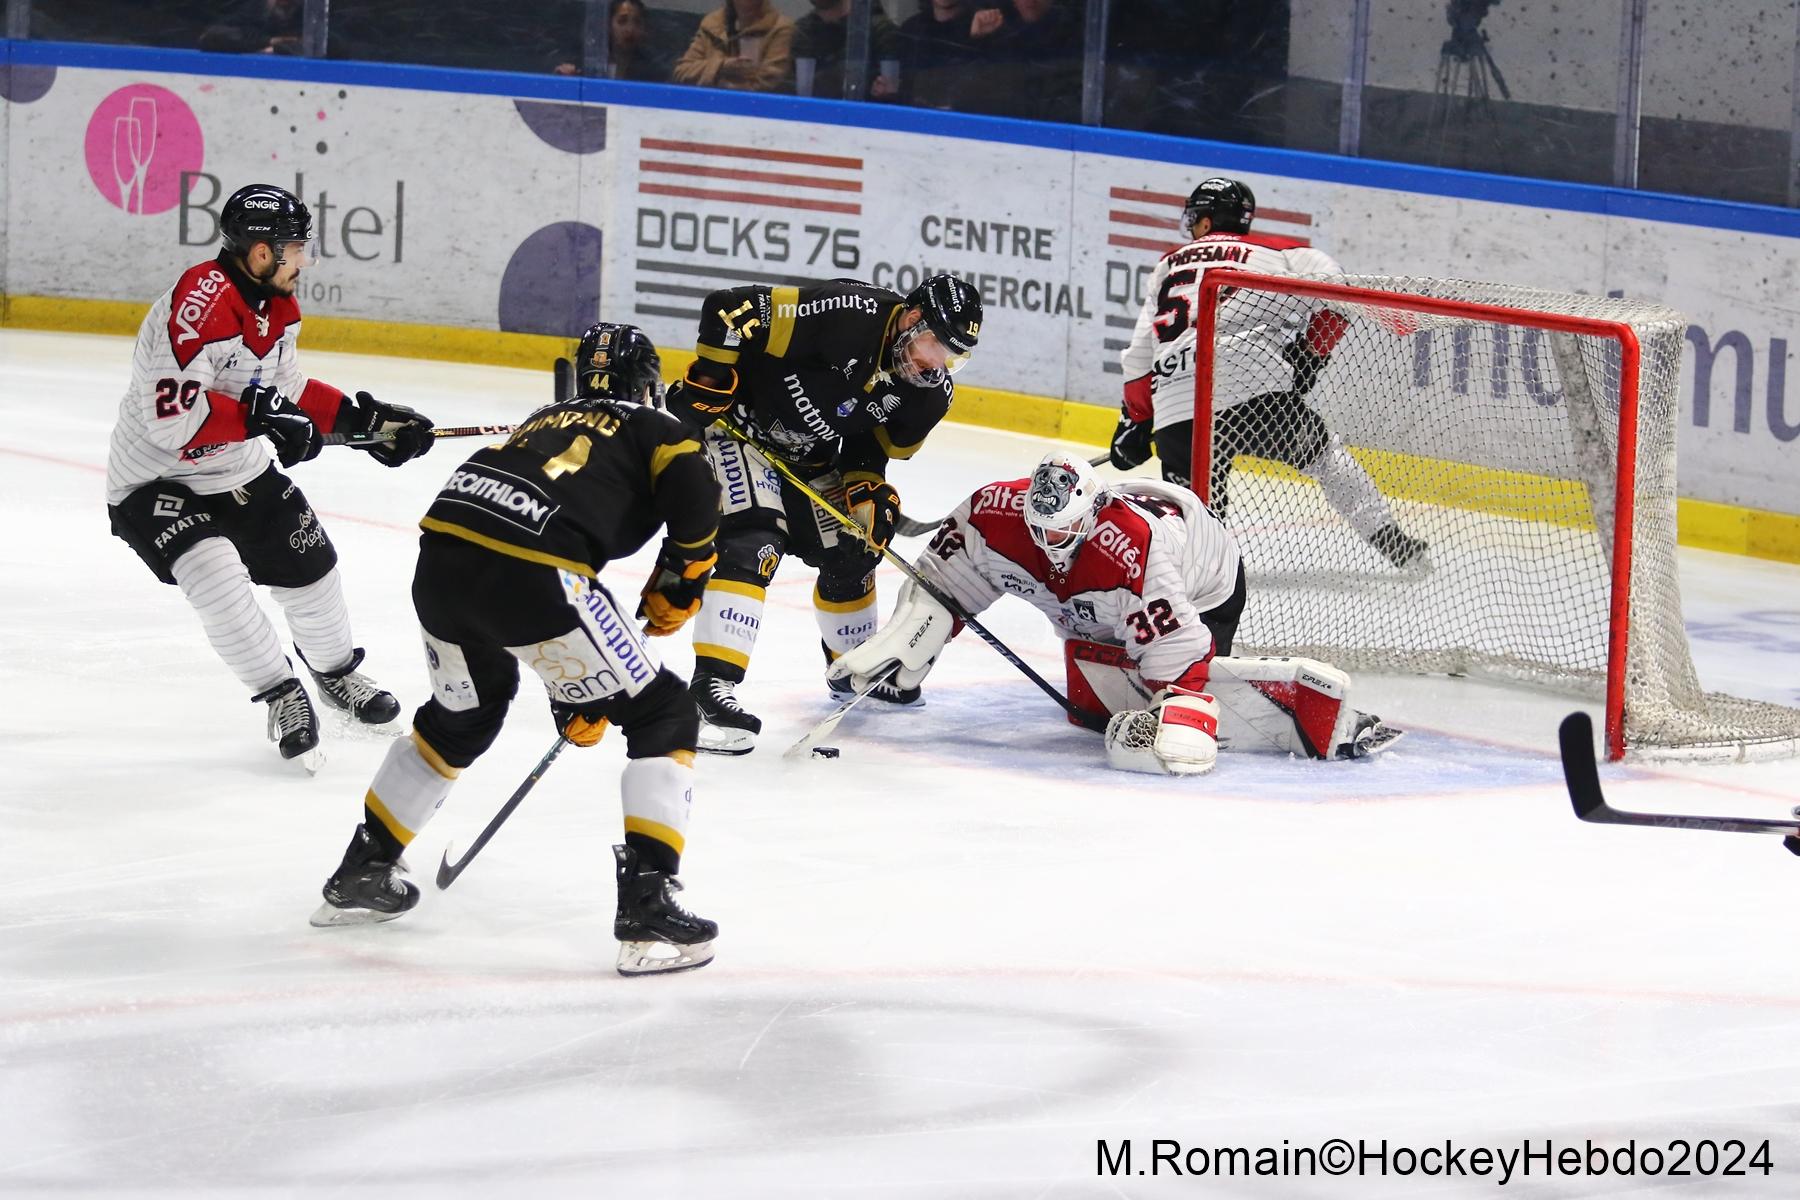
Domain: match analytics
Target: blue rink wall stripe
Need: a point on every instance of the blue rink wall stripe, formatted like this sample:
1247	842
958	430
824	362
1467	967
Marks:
1214	156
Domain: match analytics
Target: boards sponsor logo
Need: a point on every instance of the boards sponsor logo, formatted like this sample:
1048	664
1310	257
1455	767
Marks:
142	140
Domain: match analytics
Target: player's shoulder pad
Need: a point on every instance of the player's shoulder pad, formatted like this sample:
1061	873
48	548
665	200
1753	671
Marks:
1115	552
204	307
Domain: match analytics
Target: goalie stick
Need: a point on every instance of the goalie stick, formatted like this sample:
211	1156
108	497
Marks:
909	527
447	870
442	431
1081	717
1582	774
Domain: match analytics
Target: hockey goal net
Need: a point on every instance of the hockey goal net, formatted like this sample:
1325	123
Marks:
1527	438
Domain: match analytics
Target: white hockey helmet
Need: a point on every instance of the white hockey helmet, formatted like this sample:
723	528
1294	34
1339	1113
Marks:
1060	505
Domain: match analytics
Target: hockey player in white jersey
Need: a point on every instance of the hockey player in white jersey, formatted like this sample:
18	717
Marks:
1145	586
1283	340
190	485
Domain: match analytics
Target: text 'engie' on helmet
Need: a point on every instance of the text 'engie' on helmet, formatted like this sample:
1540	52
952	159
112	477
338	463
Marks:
618	362
1230	204
1060	504
263	212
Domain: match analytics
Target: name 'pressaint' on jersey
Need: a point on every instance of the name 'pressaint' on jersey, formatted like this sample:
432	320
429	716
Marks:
580	483
812	366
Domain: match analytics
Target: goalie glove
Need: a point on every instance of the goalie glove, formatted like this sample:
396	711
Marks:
572	724
363	413
268	413
1178	735
913	637
676	587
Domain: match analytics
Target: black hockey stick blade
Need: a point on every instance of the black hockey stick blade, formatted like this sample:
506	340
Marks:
562	373
447	870
441	431
1582	774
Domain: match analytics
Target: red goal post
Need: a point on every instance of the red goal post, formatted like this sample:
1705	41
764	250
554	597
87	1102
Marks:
1527	436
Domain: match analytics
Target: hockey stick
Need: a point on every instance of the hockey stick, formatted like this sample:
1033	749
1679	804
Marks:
1086	720
562	376
909	527
1582	774
818	733
447	870
442	431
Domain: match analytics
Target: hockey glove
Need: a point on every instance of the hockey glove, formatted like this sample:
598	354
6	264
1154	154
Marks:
411	430
267	413
582	730
704	395
1130	444
875	505
676	587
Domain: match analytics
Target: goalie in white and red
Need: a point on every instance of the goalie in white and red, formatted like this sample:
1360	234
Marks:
1145	587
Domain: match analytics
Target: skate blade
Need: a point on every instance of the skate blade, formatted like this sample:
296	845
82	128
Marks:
662	958
329	916
715	739
312	760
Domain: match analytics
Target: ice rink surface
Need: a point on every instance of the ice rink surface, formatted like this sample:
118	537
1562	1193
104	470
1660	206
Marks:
951	961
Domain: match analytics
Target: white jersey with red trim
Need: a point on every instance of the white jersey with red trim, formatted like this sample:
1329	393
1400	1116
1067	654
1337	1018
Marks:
204	341
1251	336
1155	560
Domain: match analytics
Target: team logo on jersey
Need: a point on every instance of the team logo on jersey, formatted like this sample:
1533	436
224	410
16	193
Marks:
166	505
262	325
1085	611
846	408
767	559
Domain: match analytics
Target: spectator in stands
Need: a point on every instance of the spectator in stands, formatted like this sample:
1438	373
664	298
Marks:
936	54
631	52
1029	61
819	40
745	45
256	27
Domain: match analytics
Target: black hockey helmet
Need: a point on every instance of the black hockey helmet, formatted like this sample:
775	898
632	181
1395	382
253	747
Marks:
618	362
952	309
263	212
1230	204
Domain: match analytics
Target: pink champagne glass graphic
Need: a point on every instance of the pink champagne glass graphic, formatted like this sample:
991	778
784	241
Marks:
134	143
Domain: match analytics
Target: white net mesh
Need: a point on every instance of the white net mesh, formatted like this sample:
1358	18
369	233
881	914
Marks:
1494	443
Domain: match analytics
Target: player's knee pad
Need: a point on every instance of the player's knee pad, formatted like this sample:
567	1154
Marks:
460	736
659	720
1178	735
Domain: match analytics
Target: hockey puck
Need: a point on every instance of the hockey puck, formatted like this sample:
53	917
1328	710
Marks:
825	751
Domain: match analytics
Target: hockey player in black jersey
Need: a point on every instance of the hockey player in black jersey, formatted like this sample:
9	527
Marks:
838	379
509	572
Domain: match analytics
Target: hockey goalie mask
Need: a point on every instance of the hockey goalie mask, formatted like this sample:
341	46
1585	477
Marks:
1060	506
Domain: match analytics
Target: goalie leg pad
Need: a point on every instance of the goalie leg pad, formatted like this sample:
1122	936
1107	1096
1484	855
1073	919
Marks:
1101	679
913	637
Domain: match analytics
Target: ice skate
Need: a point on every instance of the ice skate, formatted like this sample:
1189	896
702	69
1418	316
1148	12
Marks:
365	888
1369	737
293	725
350	691
1398	548
725	728
656	935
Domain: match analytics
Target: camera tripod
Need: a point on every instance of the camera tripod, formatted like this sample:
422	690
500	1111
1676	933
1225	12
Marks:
1466	72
